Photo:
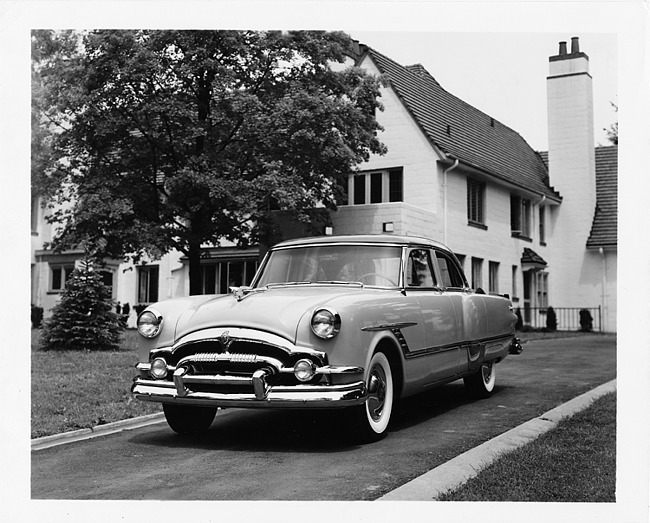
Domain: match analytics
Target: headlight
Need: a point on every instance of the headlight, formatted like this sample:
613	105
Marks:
325	323
149	324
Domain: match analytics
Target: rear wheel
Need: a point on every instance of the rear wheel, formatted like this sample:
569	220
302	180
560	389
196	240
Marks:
372	418
481	383
189	419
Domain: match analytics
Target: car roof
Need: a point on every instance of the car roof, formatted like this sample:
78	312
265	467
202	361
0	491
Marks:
362	238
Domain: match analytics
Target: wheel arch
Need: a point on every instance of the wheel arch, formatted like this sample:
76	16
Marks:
390	347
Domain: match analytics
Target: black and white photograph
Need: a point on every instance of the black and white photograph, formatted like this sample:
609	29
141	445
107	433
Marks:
342	261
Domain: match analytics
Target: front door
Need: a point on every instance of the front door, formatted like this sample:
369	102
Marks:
441	351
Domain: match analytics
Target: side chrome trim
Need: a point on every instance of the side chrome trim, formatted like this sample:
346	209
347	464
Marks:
389	326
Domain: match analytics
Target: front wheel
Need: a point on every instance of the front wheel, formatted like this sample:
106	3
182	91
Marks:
481	383
372	418
189	419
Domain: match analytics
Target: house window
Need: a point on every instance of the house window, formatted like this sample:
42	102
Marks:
148	283
520	216
475	201
34	220
377	187
494	277
477	273
542	225
59	275
514	283
107	280
217	278
542	289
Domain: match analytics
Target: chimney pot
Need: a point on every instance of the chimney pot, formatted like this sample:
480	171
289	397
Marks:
575	45
562	48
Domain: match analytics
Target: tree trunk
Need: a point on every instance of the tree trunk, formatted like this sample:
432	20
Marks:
196	286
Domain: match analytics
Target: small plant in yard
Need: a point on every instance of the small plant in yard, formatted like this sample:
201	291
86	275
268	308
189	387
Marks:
84	318
551	319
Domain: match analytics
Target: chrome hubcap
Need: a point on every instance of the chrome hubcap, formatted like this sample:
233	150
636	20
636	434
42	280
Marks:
487	372
376	392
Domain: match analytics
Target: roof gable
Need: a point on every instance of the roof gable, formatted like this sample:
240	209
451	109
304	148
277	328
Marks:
461	131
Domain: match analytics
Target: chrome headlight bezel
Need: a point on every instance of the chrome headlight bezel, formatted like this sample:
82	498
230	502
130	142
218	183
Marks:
150	323
325	323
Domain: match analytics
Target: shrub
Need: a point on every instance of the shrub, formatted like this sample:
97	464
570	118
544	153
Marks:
520	321
37	317
551	319
586	321
84	318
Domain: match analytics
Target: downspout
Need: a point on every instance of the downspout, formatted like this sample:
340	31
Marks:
444	200
603	297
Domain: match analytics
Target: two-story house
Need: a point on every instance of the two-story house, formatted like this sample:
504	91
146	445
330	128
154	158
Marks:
540	227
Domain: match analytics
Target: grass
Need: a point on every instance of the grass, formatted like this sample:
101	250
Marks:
81	389
575	462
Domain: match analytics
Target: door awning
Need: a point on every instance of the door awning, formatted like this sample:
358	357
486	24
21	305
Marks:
531	261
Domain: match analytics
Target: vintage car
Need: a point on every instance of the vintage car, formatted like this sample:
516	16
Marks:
348	322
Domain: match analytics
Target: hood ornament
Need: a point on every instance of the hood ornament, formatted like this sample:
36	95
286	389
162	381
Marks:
226	341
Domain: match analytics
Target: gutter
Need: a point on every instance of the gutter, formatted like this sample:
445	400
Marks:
444	199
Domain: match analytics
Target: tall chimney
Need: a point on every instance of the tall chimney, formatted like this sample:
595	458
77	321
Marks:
571	156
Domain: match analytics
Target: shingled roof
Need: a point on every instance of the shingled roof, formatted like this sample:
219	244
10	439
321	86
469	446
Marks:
463	132
603	230
604	227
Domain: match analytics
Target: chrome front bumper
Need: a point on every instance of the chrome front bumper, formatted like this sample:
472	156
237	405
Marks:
296	396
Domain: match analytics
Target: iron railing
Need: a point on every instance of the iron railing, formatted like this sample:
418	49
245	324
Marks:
568	318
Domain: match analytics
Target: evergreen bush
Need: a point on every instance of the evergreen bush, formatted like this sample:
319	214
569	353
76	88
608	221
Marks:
37	317
551	319
586	321
84	318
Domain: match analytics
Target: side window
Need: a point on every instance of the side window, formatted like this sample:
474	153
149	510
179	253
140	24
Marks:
419	271
449	272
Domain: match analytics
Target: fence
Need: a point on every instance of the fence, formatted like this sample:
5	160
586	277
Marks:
568	318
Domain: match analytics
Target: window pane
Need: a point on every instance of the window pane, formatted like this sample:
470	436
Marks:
477	273
494	277
376	187
360	189
209	278
56	278
153	284
419	270
395	185
475	201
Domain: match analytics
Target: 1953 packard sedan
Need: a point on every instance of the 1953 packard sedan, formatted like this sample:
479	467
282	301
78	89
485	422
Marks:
349	322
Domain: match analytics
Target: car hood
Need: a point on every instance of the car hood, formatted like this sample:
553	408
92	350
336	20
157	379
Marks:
278	310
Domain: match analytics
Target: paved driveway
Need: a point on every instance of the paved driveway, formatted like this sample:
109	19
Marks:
274	455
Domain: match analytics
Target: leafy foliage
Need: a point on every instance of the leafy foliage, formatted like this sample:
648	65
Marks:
166	140
84	318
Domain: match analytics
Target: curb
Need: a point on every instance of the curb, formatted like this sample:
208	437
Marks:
100	430
430	485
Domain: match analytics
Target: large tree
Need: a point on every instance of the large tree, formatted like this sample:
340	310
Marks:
173	139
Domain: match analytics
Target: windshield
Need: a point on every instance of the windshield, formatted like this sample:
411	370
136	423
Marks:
368	264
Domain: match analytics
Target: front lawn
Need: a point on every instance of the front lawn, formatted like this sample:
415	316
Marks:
82	389
575	462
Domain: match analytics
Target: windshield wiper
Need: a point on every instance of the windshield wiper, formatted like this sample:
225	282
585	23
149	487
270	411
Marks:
339	282
282	284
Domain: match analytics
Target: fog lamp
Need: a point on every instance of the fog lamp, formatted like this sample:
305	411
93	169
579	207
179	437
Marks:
304	370
158	368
